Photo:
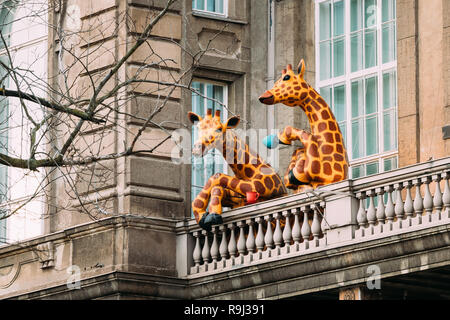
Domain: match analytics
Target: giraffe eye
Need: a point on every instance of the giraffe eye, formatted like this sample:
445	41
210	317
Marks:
286	77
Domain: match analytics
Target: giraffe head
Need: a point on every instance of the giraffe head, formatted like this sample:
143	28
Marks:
291	89
211	131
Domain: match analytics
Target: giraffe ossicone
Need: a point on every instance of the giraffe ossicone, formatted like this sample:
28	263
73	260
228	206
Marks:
323	158
251	172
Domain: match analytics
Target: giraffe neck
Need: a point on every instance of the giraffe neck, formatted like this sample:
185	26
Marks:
319	114
238	155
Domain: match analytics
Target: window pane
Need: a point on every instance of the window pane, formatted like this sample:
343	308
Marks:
357	51
325	20
339	103
325	60
389	90
357	98
390	164
388	10
371	168
371	136
389	42
219	6
339	57
370	38
218	95
371	95
389	130
325	92
198	4
370	13
357	139
343	127
357	171
356	15
338	18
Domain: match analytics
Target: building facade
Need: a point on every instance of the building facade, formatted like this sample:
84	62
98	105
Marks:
382	65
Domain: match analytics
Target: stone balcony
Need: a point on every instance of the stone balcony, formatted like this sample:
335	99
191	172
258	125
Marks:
391	227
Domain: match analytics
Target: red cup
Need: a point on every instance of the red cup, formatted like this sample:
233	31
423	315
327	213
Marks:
252	197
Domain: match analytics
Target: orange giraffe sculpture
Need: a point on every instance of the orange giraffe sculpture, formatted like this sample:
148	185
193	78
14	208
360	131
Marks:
323	158
251	173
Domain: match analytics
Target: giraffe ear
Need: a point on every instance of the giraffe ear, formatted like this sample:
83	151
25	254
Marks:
193	117
301	68
232	122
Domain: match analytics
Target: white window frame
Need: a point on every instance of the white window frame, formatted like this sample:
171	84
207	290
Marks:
223	14
349	76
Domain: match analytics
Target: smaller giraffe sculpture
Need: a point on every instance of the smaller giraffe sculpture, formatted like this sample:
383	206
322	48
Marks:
323	158
251	172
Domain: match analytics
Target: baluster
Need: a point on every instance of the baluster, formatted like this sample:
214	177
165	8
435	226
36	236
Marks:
399	208
223	249
390	211
268	238
306	229
381	215
371	213
296	231
250	244
437	198
287	232
197	254
241	241
409	207
446	197
361	216
315	227
324	225
232	247
206	249
427	199
418	202
277	235
260	236
215	246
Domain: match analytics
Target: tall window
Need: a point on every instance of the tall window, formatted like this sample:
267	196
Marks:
357	76
213	161
24	29
211	6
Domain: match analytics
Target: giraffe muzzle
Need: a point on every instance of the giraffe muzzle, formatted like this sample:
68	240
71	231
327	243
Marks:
267	98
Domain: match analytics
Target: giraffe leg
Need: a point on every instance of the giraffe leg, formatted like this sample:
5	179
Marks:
295	155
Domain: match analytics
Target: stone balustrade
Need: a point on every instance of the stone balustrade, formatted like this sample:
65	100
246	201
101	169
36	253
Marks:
382	205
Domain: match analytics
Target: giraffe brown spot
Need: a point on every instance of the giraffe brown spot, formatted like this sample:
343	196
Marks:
245	187
337	167
313	150
315	105
249	172
268	182
322	126
240	166
258	176
345	170
295	82
304	85
322	102
277	181
308	108
315	167
216	191
313	94
337	178
332	125
315	117
325	115
215	201
307	100
297	88
328	137
208	184
337	137
339	148
338	157
223	181
303	95
234	183
203	195
327	158
327	149
259	187
198	203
